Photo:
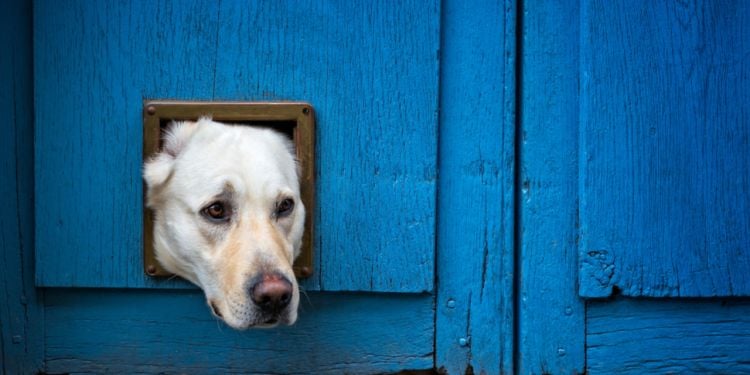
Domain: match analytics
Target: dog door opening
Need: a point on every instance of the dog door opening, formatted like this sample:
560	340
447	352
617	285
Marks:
295	120
284	127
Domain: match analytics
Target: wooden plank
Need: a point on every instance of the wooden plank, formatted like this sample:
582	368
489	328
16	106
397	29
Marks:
551	316
668	337
21	328
97	331
474	326
665	132
370	71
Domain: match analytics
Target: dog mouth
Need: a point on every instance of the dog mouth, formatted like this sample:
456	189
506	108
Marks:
269	321
265	301
215	309
255	319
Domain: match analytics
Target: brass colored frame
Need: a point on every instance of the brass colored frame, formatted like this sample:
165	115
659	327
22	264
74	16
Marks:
155	113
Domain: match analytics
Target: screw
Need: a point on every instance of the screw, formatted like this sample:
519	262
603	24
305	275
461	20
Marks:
561	352
306	110
151	110
151	269
463	341
451	303
17	339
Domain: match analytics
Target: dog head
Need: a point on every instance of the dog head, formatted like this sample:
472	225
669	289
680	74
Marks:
228	218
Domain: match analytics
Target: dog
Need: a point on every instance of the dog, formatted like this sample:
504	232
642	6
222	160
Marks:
228	217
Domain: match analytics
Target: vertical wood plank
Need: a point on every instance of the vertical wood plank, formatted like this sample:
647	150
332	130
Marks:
21	314
551	315
474	325
665	163
369	69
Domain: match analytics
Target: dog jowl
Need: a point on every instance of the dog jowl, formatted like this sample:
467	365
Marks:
228	218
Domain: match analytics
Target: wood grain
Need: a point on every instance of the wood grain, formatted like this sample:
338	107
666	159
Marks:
551	316
665	163
668	337
474	326
369	69
97	331
21	328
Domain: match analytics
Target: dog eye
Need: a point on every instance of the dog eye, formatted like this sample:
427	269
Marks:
285	207
217	211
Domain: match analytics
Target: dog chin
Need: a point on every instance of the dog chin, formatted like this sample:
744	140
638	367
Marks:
256	319
273	322
261	322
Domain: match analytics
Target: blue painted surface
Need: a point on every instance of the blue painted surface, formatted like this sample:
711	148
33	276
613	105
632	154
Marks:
21	334
474	326
369	70
169	331
650	336
375	90
551	316
665	148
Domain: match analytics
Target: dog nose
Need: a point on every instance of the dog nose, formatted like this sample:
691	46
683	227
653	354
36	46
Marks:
272	293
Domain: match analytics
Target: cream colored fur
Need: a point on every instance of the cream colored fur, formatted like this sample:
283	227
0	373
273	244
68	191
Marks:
252	169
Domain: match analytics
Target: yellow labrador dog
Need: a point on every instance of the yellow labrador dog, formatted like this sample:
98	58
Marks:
228	217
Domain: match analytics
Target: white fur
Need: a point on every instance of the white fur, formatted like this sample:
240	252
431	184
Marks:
199	160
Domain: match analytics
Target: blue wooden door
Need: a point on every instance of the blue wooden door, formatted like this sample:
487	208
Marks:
665	180
635	239
372	71
504	186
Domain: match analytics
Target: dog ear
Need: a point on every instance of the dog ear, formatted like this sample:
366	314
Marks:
158	169
177	136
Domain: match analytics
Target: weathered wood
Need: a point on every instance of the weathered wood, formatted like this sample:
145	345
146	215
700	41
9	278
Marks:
668	337
665	152
474	326
551	316
96	331
21	325
370	71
